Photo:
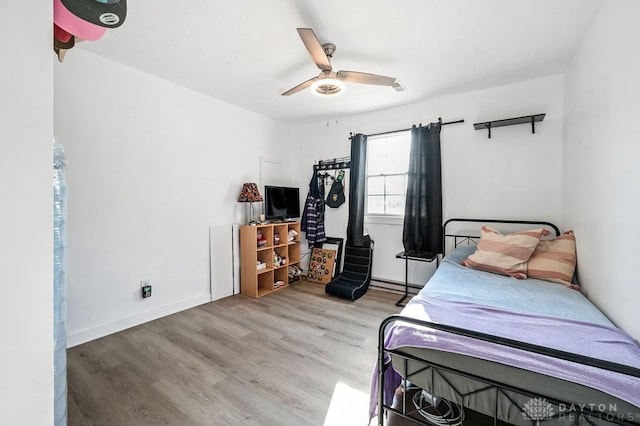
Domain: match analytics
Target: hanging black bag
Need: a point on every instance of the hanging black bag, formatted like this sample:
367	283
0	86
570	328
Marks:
336	198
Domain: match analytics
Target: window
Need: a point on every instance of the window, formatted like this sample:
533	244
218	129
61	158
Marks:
387	166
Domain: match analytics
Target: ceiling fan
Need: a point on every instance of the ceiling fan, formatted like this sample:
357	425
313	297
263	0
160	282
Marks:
329	82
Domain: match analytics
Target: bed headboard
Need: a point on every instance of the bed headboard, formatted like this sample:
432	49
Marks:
458	234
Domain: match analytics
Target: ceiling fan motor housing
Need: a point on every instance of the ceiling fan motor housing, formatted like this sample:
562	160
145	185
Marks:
329	48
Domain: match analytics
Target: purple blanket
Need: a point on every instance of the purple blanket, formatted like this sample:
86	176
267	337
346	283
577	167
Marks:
577	337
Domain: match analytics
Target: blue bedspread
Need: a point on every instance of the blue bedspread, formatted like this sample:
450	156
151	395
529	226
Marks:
532	296
531	311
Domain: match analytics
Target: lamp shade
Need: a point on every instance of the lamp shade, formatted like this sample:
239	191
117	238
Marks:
250	193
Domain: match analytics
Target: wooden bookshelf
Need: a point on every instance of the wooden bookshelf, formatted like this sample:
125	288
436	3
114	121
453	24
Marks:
274	245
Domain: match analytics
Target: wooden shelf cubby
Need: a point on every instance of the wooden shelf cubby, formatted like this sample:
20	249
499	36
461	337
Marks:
256	282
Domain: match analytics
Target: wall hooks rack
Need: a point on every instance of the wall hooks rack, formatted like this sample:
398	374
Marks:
510	122
333	164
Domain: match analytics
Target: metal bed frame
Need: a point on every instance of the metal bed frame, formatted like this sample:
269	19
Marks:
588	413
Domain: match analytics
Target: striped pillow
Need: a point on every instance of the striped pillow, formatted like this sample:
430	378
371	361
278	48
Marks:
555	260
505	254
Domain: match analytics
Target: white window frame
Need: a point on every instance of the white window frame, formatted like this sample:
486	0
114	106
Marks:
382	218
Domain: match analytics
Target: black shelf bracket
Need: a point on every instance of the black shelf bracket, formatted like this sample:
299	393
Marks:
510	122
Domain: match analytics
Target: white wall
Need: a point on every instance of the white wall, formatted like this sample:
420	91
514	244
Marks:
515	174
601	151
26	245
151	165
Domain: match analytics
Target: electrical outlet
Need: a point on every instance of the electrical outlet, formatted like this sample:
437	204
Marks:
146	288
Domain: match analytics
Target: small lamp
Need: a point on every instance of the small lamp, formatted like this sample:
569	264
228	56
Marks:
250	194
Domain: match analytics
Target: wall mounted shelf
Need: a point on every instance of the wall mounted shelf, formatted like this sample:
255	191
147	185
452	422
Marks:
510	122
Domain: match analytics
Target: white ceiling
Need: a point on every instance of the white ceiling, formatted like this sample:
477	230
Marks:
247	52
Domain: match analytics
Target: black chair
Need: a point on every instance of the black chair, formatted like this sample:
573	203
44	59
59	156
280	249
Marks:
354	280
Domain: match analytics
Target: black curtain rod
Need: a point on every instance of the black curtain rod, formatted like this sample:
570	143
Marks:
405	130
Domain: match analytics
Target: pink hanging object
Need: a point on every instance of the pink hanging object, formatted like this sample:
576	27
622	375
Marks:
74	25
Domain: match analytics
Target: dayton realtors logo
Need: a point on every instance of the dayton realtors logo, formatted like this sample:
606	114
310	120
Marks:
537	409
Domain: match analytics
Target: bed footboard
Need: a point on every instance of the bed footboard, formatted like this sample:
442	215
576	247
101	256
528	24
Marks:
528	406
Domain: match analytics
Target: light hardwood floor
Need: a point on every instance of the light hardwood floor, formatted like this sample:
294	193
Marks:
289	358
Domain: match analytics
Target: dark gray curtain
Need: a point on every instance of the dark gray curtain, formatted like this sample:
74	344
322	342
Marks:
357	178
422	232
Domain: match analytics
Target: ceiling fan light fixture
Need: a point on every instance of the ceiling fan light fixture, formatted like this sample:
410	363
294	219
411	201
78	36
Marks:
327	86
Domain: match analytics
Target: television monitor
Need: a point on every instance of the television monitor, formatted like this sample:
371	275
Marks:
281	203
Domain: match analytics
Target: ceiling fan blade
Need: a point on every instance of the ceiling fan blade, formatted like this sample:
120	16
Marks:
300	87
315	49
365	78
399	86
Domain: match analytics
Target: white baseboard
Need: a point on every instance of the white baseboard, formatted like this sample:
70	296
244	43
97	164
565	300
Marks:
79	337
